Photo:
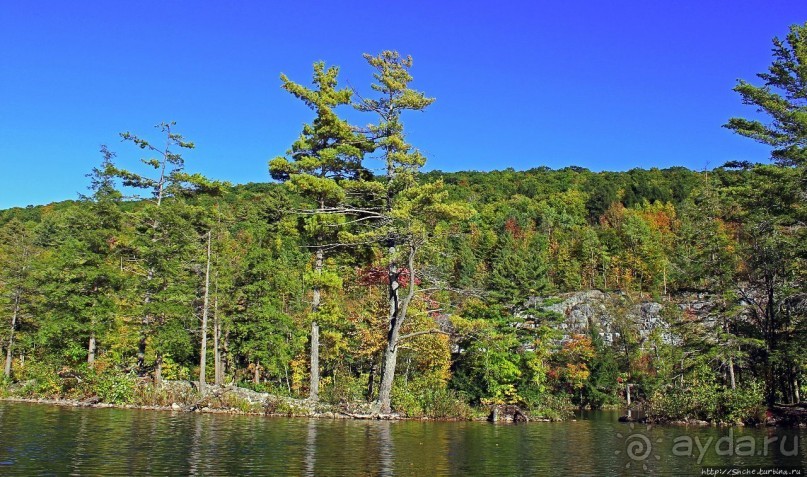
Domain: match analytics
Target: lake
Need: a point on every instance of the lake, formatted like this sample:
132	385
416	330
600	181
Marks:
37	439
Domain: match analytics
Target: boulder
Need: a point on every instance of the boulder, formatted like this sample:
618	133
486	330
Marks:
507	413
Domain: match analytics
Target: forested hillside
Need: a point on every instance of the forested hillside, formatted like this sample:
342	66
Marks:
415	290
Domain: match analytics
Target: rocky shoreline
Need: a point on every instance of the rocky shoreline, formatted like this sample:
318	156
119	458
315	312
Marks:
782	416
185	397
184	407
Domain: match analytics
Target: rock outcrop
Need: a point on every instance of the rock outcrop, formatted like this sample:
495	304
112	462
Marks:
581	312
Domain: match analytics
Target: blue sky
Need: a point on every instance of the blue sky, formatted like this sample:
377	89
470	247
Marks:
603	85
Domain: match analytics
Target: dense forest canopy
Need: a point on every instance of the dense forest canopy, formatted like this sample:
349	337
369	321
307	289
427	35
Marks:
421	291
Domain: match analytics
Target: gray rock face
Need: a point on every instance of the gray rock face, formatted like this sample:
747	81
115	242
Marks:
592	309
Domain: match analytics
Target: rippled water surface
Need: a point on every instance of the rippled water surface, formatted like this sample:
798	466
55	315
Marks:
38	439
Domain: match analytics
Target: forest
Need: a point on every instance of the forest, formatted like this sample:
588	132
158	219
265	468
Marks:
419	293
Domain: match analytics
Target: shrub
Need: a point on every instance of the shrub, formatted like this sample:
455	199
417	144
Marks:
347	388
744	404
708	402
279	406
429	397
442	403
5	385
39	380
404	401
115	388
550	406
671	404
173	371
167	393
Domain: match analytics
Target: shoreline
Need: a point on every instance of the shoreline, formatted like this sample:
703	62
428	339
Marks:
185	408
777	421
185	396
309	411
332	414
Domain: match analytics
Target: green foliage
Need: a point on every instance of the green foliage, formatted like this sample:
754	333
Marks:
496	367
518	269
147	394
39	380
743	404
556	406
476	250
115	388
344	388
601	387
173	371
391	72
782	98
773	211
709	402
425	397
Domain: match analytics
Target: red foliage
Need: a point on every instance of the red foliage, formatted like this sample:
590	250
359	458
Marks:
433	305
372	276
512	227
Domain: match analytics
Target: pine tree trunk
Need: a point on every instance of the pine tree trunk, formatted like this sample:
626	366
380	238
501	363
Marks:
226	359
203	351
91	347
7	370
141	352
371	380
146	322
731	373
158	370
9	352
313	393
216	342
390	356
770	338
388	373
792	385
398	310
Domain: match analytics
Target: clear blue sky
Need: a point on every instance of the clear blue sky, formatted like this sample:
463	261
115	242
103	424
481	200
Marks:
603	85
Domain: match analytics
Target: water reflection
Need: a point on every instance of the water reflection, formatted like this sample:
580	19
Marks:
386	449
40	439
311	448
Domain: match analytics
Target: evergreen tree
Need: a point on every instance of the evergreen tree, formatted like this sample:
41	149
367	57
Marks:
18	252
774	203
163	250
82	275
408	216
328	154
518	269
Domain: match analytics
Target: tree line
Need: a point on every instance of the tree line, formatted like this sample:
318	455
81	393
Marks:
406	288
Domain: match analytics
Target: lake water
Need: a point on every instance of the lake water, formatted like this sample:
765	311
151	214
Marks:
38	439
